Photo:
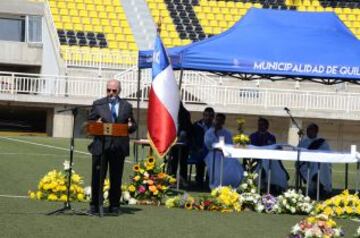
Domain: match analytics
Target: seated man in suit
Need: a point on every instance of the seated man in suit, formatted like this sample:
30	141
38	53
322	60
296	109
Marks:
109	109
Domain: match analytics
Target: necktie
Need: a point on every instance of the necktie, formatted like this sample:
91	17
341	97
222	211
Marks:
113	110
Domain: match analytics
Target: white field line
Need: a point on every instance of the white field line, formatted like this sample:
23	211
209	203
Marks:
49	146
12	196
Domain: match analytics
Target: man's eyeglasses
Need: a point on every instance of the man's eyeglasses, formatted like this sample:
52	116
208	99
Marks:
111	90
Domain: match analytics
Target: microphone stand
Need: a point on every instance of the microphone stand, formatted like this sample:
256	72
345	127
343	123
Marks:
300	135
67	204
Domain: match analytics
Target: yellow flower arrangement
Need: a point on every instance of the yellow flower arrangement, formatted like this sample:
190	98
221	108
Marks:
241	138
52	187
149	181
343	205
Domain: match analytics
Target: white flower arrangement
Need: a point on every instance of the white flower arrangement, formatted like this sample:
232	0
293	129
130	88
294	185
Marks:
294	203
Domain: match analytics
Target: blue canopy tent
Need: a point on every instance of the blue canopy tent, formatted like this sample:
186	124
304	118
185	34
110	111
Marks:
275	44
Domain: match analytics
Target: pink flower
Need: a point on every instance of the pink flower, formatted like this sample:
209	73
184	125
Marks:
141	189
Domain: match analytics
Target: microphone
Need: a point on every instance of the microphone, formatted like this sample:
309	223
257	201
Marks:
286	109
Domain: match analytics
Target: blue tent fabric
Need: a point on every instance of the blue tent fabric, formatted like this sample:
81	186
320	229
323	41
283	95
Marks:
273	42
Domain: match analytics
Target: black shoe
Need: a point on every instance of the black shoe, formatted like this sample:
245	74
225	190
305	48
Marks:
114	211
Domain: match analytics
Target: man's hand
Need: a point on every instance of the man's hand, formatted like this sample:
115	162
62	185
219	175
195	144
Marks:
99	120
130	124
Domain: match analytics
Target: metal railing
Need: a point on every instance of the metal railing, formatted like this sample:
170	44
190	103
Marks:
65	86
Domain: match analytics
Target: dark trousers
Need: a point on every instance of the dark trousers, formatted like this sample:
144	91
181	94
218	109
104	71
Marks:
115	160
173	161
200	171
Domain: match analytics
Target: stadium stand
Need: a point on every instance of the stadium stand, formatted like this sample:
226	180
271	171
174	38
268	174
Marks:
194	20
92	26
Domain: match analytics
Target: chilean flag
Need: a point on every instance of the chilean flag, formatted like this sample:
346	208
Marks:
164	101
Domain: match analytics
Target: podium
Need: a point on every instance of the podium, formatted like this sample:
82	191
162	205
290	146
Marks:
104	130
107	129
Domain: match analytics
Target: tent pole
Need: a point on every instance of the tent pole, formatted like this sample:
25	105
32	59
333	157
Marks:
138	101
181	77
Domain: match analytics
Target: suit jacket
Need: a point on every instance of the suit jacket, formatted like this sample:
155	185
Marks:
101	109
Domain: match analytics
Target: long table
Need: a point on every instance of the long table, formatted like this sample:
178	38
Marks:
275	152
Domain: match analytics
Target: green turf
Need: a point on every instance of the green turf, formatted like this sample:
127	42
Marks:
22	165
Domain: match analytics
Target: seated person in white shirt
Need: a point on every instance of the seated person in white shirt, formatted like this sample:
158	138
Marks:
313	142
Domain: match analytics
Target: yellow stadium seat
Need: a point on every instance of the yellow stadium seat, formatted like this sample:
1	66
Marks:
83	13
105	22
301	8
222	24
112	15
71	5
117	30
107	2
90	7
217	30
64	12
56	18
93	14
113	45
206	9
234	11
225	11
122	45
347	11
98	28
310	8
120	37
107	29
100	8
133	46
73	12
228	18
306	3
68	26
230	4
129	38
210	16
219	17
52	4
88	1
351	17
110	8
221	4
103	15
65	19
356	24
122	16
78	27
242	11
88	28
338	10
343	17
54	11
75	20
59	25
114	23
118	9
61	5
213	23
95	21
315	3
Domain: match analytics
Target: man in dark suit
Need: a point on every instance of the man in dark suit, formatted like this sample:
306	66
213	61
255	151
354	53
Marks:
109	109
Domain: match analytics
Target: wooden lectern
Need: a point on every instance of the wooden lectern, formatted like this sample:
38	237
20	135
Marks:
105	129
